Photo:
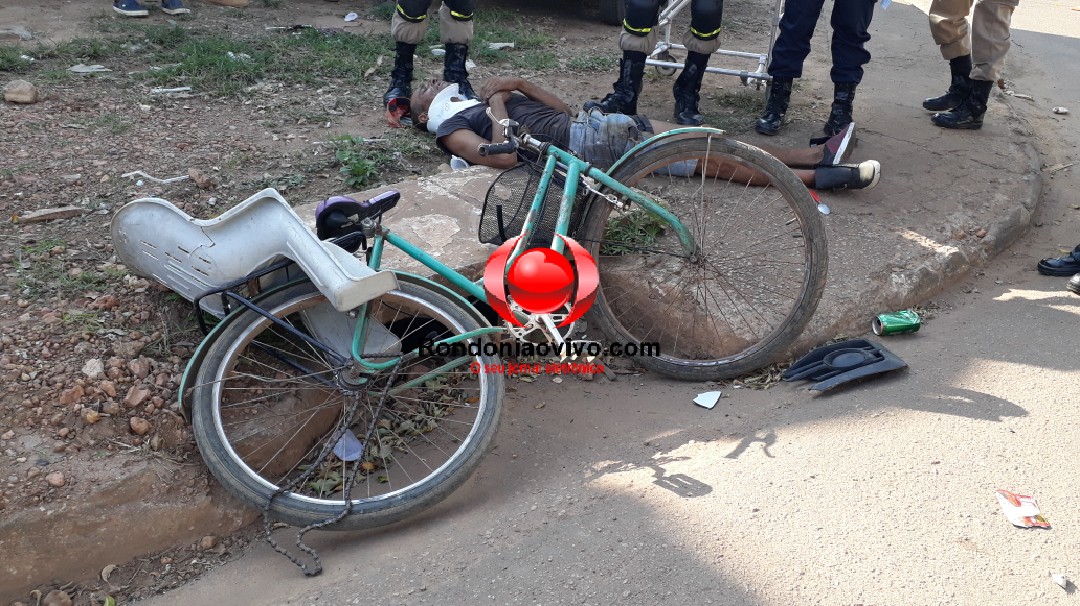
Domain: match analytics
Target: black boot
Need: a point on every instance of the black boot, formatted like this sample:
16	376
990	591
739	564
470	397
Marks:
958	89
401	76
687	90
842	105
969	114
779	96
623	98
454	68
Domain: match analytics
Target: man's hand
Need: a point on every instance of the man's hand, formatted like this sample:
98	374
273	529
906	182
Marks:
493	86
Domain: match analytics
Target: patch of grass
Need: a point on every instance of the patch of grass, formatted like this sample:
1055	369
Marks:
11	59
593	62
40	246
82	322
734	112
541	61
168	36
214	64
631	231
115	123
384	11
361	161
273	3
82	49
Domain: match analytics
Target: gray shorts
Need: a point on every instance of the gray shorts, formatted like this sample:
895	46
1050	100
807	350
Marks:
601	139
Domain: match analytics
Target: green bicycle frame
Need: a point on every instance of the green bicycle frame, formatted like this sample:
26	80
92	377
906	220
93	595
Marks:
574	167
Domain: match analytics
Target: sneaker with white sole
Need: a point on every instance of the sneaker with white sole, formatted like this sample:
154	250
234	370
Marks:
130	8
838	147
863	175
174	7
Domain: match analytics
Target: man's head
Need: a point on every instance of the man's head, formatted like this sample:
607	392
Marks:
449	103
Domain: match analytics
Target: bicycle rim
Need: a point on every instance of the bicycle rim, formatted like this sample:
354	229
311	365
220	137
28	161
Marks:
746	293
269	405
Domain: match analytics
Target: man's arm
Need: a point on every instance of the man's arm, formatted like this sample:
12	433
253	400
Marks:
492	86
465	142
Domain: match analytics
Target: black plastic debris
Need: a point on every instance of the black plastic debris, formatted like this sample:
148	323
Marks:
840	363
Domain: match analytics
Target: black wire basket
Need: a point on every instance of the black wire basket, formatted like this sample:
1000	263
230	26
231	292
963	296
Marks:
510	197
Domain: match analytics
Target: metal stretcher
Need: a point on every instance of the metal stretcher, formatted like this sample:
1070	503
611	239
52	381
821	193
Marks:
662	59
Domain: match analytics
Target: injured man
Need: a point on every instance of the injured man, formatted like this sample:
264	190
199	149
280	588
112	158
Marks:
460	125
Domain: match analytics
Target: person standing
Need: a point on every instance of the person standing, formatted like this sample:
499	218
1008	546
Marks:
408	27
850	24
976	56
638	39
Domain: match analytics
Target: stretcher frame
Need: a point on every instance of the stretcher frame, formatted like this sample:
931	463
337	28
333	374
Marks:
661	58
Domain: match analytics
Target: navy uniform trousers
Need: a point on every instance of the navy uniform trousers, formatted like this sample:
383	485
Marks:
850	22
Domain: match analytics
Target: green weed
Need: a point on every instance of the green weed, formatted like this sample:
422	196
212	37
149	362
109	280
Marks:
592	62
11	59
630	231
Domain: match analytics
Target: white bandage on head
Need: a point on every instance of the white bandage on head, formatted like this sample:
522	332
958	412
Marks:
445	104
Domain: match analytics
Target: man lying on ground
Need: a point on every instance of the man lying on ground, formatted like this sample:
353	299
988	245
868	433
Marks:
460	125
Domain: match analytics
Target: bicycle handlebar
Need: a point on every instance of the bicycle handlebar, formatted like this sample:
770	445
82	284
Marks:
487	149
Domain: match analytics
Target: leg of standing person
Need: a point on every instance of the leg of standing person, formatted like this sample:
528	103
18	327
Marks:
408	27
788	53
637	40
989	45
950	30
456	28
701	41
850	24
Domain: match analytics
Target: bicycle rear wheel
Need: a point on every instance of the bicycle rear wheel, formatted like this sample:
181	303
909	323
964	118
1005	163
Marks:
737	302
267	404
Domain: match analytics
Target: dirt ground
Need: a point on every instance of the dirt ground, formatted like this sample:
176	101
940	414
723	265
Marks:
92	355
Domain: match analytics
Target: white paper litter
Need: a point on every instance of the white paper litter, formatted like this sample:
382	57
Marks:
500	45
708	399
88	69
351	17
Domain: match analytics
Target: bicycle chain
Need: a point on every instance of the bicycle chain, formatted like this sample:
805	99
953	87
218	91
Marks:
346	490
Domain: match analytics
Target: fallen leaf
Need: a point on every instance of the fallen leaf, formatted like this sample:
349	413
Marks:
107	572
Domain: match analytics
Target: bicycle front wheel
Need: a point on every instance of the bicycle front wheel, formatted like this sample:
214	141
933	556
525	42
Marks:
275	415
736	300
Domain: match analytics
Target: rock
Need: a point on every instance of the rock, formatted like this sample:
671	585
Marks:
140	426
52	214
93	368
110	408
202	181
56	479
9	434
108	388
104	302
70	396
20	91
91	416
136	396
12	33
71	179
208	542
56	598
981	233
129	349
140	368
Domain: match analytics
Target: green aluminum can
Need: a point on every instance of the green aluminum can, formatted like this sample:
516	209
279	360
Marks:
896	323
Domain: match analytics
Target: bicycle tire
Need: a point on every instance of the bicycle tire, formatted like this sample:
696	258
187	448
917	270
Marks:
652	292
219	401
